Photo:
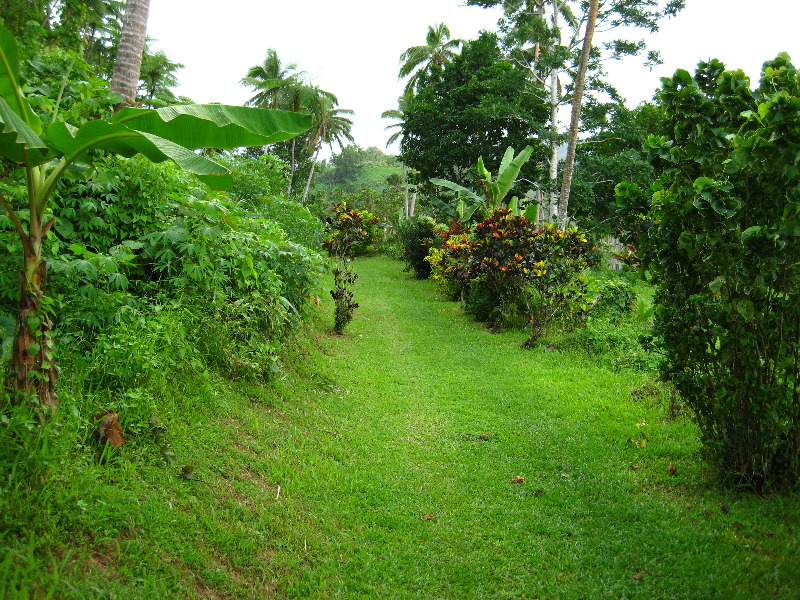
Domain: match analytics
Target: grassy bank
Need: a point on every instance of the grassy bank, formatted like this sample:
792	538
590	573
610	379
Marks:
418	456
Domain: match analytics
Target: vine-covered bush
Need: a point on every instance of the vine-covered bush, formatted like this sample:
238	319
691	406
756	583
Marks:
417	235
724	248
615	300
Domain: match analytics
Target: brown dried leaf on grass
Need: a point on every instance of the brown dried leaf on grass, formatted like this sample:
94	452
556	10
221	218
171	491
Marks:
518	479
109	429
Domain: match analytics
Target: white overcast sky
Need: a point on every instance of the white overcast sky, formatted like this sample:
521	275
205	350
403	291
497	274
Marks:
352	47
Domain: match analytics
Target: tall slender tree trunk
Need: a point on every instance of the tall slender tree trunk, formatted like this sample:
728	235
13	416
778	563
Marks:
128	64
577	102
552	206
310	177
292	168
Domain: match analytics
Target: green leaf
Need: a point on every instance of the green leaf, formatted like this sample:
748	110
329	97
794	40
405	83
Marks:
215	125
18	142
172	133
457	188
508	174
9	82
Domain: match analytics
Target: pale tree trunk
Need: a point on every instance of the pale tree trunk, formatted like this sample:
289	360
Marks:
552	205
310	176
128	64
292	168
577	101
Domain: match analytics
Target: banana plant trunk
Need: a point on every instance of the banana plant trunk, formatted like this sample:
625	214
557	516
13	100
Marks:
33	370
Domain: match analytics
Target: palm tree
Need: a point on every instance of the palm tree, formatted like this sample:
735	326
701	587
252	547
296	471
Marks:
438	50
398	114
271	80
158	75
330	126
128	64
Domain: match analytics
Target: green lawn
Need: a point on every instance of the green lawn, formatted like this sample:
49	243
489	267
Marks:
387	465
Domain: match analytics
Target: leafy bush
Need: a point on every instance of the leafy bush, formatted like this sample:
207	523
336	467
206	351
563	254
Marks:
723	247
256	178
417	235
449	263
295	219
347	232
531	272
615	300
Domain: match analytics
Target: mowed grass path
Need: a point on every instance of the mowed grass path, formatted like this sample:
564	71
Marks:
400	463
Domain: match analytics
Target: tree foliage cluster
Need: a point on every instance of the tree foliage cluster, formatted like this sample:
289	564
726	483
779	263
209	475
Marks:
475	105
123	238
722	246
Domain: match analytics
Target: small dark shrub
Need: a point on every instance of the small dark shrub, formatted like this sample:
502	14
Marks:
417	235
348	229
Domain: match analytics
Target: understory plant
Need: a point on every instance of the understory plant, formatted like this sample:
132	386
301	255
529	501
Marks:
723	246
39	152
347	229
529	271
417	235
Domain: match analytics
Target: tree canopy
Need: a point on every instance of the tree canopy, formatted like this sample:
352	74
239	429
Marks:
478	104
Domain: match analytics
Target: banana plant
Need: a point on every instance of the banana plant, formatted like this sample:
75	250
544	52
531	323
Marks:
494	189
44	156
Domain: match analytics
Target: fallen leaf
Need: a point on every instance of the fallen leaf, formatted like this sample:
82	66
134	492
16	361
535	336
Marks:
429	517
641	443
518	479
707	512
737	525
636	467
538	492
168	454
724	508
187	472
109	429
689	506
638	576
672	470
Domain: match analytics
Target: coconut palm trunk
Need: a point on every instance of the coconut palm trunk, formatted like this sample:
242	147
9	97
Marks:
577	101
128	64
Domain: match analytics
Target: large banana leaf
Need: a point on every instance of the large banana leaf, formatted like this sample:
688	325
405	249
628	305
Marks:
18	142
172	133
10	89
510	168
460	189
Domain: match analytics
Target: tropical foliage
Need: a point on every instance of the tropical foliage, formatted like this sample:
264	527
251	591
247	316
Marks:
348	231
481	102
44	156
722	246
